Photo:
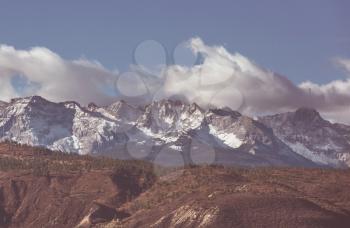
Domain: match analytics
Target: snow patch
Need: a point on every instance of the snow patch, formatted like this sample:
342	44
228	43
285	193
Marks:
174	147
317	158
228	139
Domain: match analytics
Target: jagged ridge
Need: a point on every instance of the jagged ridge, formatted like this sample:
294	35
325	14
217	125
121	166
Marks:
167	132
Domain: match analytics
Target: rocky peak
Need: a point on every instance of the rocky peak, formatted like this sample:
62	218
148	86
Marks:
225	112
72	105
308	134
223	118
92	106
306	115
28	105
171	116
117	105
124	111
30	100
166	106
37	99
195	107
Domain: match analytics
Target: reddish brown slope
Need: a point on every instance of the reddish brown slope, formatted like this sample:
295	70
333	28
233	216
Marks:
217	197
39	188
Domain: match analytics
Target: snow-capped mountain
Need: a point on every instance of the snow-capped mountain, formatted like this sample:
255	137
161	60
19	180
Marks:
309	135
166	132
61	126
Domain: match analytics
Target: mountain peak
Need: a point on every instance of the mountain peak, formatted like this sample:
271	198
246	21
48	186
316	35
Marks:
175	125
92	106
122	110
118	105
30	101
306	114
167	102
225	112
120	102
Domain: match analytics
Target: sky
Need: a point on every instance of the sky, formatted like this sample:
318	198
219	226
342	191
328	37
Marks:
303	41
296	38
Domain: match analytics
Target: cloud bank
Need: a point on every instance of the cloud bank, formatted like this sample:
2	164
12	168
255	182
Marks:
45	73
225	79
220	79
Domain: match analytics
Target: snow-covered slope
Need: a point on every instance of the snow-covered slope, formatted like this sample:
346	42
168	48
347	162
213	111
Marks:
168	120
253	140
60	126
164	132
123	111
308	134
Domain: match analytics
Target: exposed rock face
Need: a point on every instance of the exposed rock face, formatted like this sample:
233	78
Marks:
170	131
187	216
309	135
100	213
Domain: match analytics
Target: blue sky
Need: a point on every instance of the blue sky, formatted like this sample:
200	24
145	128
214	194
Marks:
296	38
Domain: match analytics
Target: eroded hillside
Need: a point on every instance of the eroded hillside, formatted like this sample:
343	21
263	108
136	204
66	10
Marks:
40	188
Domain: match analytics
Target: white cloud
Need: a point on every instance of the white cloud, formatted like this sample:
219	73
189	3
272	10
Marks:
56	79
343	63
225	79
242	81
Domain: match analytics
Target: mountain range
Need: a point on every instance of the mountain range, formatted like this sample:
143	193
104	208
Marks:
174	133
